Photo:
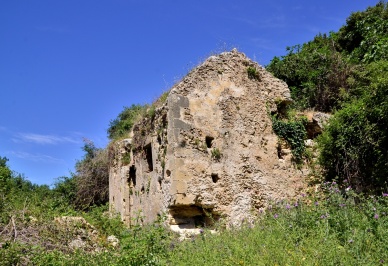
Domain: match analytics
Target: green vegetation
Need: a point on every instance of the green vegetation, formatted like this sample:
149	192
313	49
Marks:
355	145
294	133
318	72
253	73
346	72
92	177
364	38
31	231
315	72
216	154
333	227
126	159
327	230
124	122
344	223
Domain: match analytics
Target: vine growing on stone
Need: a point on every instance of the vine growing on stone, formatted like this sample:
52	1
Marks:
294	133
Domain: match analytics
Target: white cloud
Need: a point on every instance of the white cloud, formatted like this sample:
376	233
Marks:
43	139
36	157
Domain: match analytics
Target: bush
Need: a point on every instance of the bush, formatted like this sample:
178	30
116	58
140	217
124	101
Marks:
124	122
365	35
5	176
317	72
66	189
253	73
314	72
354	147
92	177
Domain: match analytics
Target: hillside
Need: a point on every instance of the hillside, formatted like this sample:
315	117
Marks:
339	218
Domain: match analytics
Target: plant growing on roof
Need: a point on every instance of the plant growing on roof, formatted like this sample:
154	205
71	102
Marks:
253	73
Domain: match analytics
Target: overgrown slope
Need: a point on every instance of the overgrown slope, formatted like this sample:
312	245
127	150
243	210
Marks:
345	72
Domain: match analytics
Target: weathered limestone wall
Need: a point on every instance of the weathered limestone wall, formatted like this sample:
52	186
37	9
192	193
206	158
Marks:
209	152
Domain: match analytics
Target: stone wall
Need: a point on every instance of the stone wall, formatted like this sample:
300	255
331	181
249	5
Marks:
208	152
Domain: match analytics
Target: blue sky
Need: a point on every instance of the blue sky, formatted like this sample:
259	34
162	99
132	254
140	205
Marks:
68	67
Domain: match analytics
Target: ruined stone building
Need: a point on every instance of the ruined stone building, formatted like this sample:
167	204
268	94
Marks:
208	151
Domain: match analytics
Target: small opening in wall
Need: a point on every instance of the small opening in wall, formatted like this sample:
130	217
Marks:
215	178
279	150
132	176
193	216
183	143
209	141
168	172
148	152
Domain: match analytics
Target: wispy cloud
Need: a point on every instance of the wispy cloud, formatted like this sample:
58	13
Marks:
43	139
36	157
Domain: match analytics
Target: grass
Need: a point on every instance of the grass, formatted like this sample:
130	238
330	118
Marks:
335	227
216	154
253	73
331	230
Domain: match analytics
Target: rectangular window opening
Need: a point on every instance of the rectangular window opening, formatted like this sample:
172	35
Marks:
209	141
132	176
148	153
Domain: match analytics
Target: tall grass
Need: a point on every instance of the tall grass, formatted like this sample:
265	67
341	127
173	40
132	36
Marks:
336	227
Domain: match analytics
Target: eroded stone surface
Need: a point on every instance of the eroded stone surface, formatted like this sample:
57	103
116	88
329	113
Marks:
316	122
209	152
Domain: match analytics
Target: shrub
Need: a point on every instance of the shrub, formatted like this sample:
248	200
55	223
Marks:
92	177
314	72
364	37
354	147
5	178
317	72
124	122
65	188
253	73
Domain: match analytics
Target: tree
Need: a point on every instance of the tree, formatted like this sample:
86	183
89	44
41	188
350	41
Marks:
5	177
365	35
315	72
66	188
318	72
92	177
